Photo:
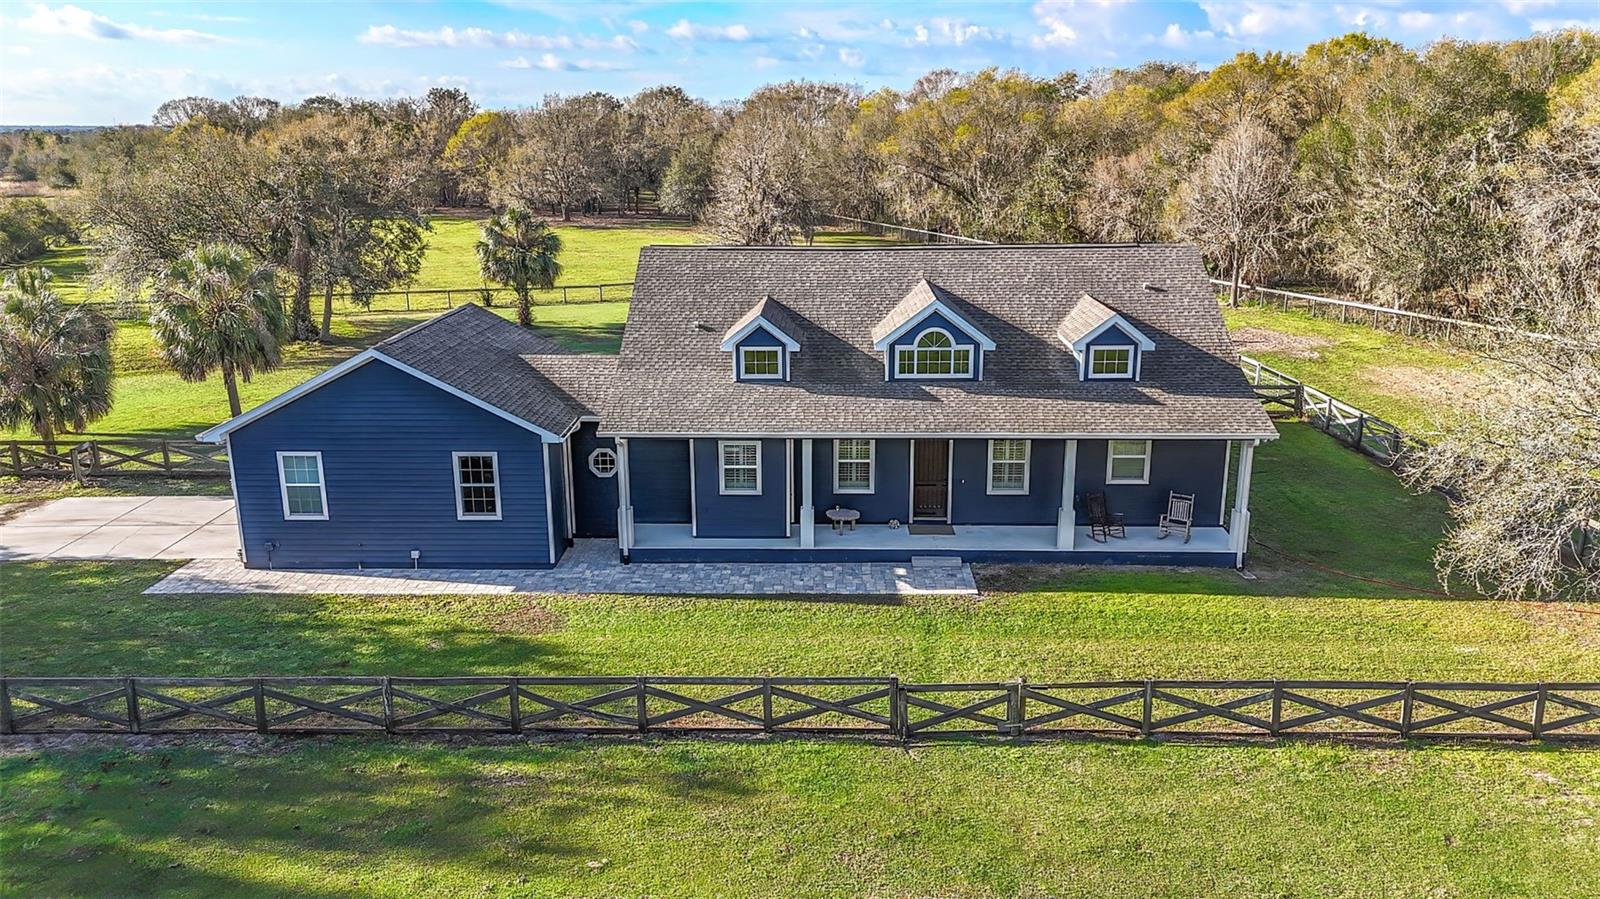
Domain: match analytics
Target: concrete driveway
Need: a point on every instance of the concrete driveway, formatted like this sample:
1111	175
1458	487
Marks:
124	527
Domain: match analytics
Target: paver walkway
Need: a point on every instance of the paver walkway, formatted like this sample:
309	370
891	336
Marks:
124	527
591	566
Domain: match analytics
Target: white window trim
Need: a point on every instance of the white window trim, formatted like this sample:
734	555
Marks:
322	486
744	376
1027	470
455	474
872	467
1111	457
592	470
1133	355
972	357
722	468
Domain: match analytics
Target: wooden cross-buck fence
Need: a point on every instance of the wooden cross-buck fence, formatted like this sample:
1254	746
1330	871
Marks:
433	299
98	457
1403	321
1287	396
883	707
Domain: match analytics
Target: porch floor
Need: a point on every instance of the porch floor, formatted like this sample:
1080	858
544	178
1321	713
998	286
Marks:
967	538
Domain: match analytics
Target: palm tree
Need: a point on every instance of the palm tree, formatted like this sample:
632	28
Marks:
217	308
55	359
520	252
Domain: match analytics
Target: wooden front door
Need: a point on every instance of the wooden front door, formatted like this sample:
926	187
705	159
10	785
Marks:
930	480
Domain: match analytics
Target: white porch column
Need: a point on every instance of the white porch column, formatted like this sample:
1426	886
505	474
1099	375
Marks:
624	500
808	512
1067	516
1239	531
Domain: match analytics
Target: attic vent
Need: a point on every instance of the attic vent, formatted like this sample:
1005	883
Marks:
699	326
1154	287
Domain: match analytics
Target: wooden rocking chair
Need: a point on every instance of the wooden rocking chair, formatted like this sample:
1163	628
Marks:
1103	524
1179	516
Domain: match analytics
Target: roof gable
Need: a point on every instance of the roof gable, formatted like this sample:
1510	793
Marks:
767	314
1089	318
924	299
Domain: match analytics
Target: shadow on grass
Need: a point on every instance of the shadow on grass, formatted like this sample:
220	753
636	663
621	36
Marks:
321	822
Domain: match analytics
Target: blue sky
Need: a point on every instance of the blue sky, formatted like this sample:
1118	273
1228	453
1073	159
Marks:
90	63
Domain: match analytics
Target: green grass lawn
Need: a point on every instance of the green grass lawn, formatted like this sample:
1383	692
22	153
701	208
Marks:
372	817
1416	384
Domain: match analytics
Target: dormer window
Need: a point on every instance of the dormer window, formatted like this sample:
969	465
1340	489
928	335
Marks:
757	363
934	355
1111	362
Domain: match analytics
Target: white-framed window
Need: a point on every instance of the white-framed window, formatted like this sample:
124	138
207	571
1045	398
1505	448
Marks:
477	485
1111	362
300	482
603	462
934	355
760	362
740	464
1128	462
1008	465
853	465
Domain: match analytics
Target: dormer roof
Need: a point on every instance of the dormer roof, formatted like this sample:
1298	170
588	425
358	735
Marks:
924	299
1089	318
767	313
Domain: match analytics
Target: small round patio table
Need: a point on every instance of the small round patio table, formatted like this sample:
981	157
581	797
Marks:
842	517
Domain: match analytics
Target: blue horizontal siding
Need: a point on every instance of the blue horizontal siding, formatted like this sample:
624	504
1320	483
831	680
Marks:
891	495
761	337
740	515
1113	336
594	498
1182	466
658	480
386	440
1016	557
971	503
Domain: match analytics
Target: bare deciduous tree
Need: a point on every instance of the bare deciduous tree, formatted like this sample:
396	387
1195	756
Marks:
1234	204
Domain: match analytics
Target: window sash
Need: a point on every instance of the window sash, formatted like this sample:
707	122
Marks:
477	477
760	362
1111	362
1008	465
853	465
922	362
1128	462
603	462
739	467
301	486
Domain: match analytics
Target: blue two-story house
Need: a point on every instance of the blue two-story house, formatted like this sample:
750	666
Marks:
975	401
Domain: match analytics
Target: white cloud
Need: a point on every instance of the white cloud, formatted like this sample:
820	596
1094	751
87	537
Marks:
1416	20
684	30
1052	14
1263	18
851	57
553	63
76	22
638	27
1178	38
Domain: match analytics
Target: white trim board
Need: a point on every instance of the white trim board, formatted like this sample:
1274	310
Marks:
950	315
217	433
912	435
499	507
761	322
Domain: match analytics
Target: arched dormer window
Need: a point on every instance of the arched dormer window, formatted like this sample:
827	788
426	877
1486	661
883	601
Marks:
934	355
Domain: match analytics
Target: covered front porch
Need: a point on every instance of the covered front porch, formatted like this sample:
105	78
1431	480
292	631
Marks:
785	517
877	542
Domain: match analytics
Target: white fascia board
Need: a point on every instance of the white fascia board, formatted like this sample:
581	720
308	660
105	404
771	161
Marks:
939	307
1082	343
216	434
943	435
219	432
789	343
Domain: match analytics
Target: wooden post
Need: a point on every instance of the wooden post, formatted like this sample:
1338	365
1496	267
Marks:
1014	707
1406	704
7	723
166	457
766	704
132	692
563	294
1149	707
388	688
641	707
1361	428
516	705
1277	707
898	720
1538	710
408	299
261	706
602	293
16	458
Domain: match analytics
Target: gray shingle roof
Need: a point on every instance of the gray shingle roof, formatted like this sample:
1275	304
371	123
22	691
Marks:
1086	315
769	309
504	365
673	378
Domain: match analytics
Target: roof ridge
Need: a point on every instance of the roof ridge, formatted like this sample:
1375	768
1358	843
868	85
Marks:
423	324
902	247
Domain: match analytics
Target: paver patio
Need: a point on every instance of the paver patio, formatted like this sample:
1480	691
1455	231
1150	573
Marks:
591	566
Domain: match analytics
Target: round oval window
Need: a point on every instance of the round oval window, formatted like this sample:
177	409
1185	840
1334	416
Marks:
603	463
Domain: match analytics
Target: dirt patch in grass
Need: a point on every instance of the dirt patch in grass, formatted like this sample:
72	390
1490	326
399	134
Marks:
1578	621
1442	388
1260	340
530	617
